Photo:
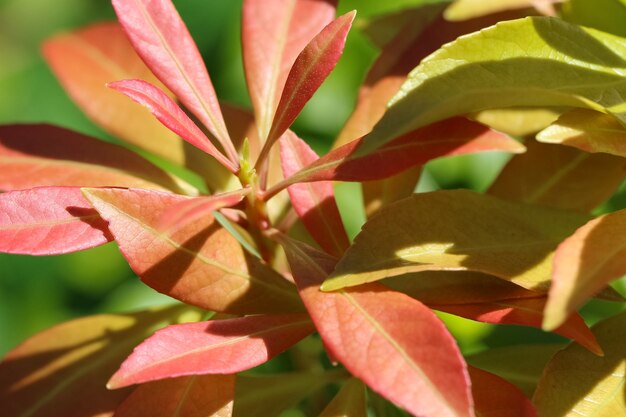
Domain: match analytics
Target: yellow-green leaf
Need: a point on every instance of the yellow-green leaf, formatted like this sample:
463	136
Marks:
349	402
578	383
457	230
468	9
537	62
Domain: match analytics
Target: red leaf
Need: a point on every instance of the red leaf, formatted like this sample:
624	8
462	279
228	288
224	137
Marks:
161	38
195	396
496	397
526	312
274	32
188	211
200	264
168	113
392	342
44	155
213	347
311	68
84	61
450	137
315	202
49	221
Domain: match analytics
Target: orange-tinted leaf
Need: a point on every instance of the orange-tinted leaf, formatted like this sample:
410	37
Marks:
521	365
309	71
194	396
495	397
525	312
578	383
274	32
270	395
161	38
63	371
168	113
84	61
49	221
201	263
457	230
456	287
213	347
450	137
392	342
559	176
314	203
588	130
584	264
44	155
188	211
349	402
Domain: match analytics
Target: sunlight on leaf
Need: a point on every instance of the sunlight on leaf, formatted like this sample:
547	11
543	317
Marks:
467	9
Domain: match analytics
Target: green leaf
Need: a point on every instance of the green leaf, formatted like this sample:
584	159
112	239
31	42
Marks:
606	15
536	61
521	365
349	402
590	131
269	396
457	230
559	177
578	383
468	9
63	370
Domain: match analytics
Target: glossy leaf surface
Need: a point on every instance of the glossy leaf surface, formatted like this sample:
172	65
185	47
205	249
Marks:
521	365
63	370
274	32
561	177
270	395
467	9
349	402
162	40
576	382
168	113
45	155
499	67
587	130
49	221
455	136
312	66
525	312
313	202
194	396
415	364
584	264
496	397
201	263
84	61
457	230
213	347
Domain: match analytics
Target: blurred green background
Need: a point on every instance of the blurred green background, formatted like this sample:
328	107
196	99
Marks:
36	292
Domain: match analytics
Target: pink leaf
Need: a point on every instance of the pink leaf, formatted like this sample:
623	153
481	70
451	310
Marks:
188	211
274	32
454	136
308	73
49	221
314	202
203	396
392	342
168	113
525	312
213	347
200	264
44	155
161	38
